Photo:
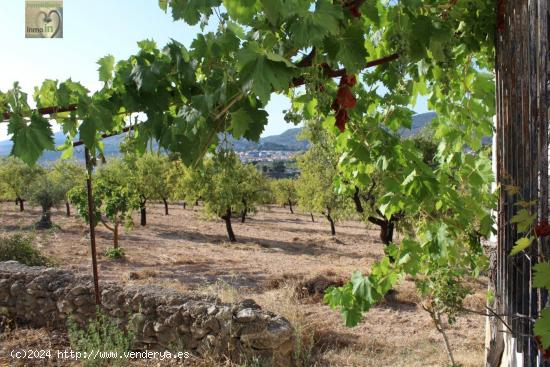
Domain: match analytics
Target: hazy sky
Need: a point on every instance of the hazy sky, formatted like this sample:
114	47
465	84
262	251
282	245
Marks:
92	29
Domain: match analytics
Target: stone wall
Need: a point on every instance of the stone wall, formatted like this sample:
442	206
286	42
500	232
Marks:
160	318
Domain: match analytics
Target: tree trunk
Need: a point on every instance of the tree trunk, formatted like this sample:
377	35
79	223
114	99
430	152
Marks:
46	220
21	204
165	206
68	208
115	234
332	228
184	205
312	219
143	212
244	212
290	206
386	230
227	219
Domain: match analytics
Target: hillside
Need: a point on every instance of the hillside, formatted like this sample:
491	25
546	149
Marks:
287	141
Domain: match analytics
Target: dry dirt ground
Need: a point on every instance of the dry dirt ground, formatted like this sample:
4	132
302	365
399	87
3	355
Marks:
275	251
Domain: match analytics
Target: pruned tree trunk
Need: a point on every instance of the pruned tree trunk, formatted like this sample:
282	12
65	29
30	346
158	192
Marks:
165	206
227	218
244	212
143	213
290	206
387	228
46	219
312	219
332	227
21	203
115	234
68	208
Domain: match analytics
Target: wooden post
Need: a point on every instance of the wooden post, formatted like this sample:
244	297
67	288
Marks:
91	216
522	175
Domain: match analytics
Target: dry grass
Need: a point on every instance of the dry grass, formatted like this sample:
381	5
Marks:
277	254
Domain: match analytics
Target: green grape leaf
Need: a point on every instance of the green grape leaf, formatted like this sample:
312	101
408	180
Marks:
240	120
30	140
361	286
272	10
243	10
310	28
106	66
524	220
541	275
46	95
542	327
352	316
371	11
264	73
349	48
144	77
521	244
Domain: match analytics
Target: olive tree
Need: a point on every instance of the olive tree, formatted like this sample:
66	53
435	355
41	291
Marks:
47	191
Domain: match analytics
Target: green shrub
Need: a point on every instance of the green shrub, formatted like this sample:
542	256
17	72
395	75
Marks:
114	253
21	249
101	338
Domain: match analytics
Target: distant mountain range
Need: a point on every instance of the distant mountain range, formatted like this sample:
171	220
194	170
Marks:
288	140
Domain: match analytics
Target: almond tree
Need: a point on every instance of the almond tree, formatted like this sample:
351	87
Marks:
115	198
17	177
315	190
285	192
68	174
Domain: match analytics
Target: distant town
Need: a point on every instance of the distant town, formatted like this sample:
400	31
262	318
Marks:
254	156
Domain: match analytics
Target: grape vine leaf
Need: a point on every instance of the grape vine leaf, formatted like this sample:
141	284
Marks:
106	66
349	48
541	276
30	140
248	122
46	96
243	10
310	28
371	11
542	327
190	11
521	245
523	219
264	72
240	120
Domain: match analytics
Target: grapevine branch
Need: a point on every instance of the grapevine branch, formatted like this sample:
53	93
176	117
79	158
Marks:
330	73
296	82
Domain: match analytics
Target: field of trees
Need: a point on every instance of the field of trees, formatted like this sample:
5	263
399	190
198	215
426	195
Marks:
283	261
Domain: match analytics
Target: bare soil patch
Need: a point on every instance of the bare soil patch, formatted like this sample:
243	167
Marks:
282	260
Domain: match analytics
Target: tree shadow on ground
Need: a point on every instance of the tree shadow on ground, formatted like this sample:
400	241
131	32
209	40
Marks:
311	247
